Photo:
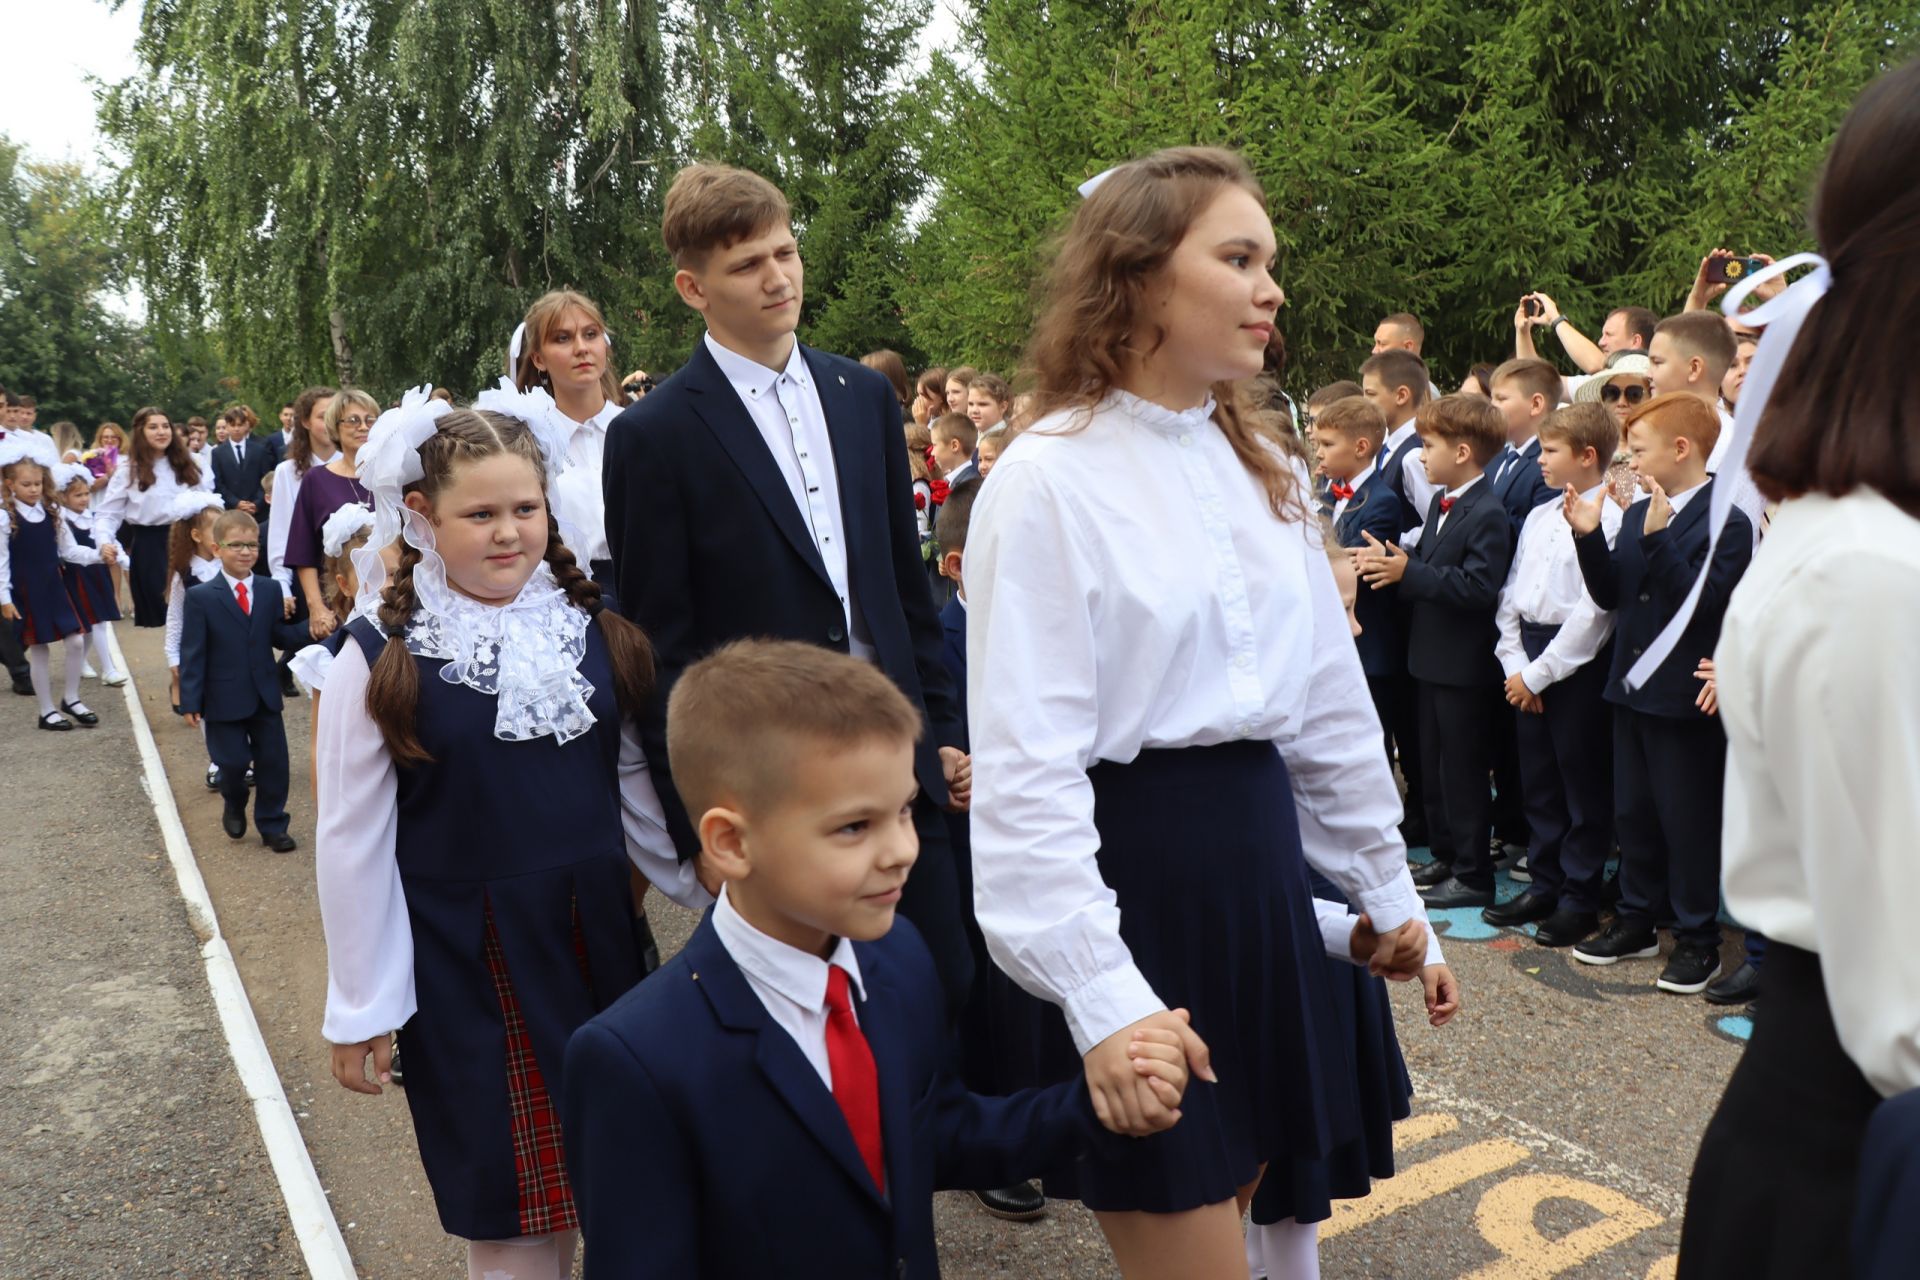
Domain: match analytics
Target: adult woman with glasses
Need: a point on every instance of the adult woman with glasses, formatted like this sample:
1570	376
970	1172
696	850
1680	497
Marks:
325	490
1621	388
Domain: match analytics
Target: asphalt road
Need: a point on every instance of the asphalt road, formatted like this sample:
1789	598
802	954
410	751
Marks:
1553	1127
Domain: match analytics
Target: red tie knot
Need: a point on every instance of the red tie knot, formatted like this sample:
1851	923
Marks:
240	594
1446	505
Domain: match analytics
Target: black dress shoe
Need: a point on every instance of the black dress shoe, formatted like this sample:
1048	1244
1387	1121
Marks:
1021	1202
1455	893
79	711
288	689
23	687
1428	874
1525	909
281	843
1738	987
234	822
1564	928
54	720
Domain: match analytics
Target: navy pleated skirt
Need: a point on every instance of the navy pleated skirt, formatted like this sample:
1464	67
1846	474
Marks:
1361	1033
1201	846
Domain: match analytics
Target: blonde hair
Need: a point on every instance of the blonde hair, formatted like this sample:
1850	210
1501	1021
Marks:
919	440
337	409
541	319
1584	426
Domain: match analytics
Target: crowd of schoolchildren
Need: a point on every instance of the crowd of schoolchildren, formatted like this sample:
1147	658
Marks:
721	637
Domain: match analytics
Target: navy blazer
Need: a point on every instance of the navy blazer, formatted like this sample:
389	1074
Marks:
238	482
704	1146
227	669
1396	477
1452	586
1644	579
1523	487
1886	1217
708	545
953	624
1374	508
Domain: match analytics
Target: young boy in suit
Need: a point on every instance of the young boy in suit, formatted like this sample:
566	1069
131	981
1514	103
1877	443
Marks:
1669	756
793	1057
954	437
1554	650
1347	436
228	679
1451	585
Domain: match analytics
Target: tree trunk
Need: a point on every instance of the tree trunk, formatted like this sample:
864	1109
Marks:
342	348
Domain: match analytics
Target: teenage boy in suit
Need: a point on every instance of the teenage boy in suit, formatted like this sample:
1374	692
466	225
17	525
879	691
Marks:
1451	585
762	491
228	679
793	1057
1347	437
239	464
1554	649
1669	756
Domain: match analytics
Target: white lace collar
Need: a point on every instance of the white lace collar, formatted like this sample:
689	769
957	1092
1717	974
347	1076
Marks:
525	654
1157	416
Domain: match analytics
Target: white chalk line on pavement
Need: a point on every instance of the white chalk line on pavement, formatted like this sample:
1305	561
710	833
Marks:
321	1244
1431	1093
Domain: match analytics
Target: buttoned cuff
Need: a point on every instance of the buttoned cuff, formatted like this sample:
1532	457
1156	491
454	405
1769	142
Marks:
1511	666
1536	676
1392	904
1115	999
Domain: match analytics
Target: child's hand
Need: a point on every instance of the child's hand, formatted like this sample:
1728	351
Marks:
1382	563
192	718
1443	993
1400	960
958	768
1517	690
350	1064
1125	1101
320	622
1659	509
10	613
1708	699
173	686
286	606
109	554
1162	1064
1584	517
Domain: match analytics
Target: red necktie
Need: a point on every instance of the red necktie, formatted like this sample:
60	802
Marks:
856	1085
240	594
1341	491
1446	505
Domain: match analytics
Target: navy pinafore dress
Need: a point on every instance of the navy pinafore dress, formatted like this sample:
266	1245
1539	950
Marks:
39	592
515	870
89	586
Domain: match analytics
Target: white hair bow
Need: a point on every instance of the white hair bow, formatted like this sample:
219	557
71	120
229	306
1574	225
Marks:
388	463
341	527
1782	318
189	503
1092	184
22	446
66	473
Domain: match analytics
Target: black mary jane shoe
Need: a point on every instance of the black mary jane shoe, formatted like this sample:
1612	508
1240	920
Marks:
1022	1202
54	720
78	710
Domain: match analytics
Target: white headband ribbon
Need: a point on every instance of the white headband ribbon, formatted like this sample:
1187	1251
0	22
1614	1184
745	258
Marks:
1092	184
387	464
1782	318
513	349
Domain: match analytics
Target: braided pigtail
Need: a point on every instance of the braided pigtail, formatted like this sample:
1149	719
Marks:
393	690
627	646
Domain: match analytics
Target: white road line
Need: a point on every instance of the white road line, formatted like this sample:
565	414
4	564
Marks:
1428	1092
321	1243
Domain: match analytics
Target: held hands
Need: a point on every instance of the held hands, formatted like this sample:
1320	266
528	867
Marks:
10	613
350	1064
1659	509
1138	1075
957	765
320	621
110	554
1443	993
245	506
1522	697
1396	956
1381	563
1708	699
192	718
1584	517
1549	310
286	606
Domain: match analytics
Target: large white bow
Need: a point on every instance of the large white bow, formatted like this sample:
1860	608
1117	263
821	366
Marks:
388	463
1782	317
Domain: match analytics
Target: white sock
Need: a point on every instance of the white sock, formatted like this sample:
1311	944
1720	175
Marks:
547	1257
1285	1250
39	666
101	635
76	645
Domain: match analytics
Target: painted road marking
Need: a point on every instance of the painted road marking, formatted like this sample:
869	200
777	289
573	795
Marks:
1505	1219
1422	1182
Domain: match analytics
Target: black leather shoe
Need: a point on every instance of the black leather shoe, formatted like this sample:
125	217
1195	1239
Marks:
281	843
23	687
1738	987
1454	893
1021	1202
234	822
54	720
288	689
1564	928
1525	909
79	711
1428	874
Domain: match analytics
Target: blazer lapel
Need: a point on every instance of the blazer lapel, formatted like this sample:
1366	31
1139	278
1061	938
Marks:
777	1056
233	602
891	1061
718	405
1463	504
850	457
1693	513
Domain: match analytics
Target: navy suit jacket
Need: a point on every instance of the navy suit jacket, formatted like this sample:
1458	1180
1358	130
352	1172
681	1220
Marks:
708	545
1374	508
1452	587
704	1146
238	482
1523	488
227	667
1396	477
1644	579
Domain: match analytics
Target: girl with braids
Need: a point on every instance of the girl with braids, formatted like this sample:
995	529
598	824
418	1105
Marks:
480	795
156	471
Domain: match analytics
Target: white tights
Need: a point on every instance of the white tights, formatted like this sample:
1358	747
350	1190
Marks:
1285	1250
97	637
523	1257
40	662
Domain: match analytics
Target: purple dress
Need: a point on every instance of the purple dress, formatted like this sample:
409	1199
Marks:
321	494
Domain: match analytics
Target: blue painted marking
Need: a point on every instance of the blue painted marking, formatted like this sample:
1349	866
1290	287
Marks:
1737	1025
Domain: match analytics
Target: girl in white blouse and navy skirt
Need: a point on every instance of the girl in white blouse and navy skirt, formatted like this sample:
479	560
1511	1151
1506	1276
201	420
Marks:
1169	718
133	511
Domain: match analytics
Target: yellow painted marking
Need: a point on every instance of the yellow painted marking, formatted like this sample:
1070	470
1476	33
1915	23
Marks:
1419	1183
1665	1269
1417	1129
1505	1219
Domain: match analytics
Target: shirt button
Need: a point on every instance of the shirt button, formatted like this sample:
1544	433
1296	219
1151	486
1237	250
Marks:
1645	598
1243	729
1243	661
836	633
1637	651
1185	441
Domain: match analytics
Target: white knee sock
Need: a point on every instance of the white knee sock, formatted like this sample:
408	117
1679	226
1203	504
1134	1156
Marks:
76	645
547	1257
1286	1250
102	649
39	666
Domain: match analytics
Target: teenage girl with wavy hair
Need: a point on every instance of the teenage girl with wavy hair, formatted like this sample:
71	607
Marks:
156	470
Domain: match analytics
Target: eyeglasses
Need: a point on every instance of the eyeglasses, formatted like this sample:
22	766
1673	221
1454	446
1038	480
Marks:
1631	394
240	546
357	421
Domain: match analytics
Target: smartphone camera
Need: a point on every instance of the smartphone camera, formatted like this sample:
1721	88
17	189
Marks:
1531	306
1732	270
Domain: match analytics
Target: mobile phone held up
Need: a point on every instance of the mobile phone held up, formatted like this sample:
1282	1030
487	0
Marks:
1530	305
1732	270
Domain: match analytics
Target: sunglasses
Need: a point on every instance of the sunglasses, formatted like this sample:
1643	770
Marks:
1612	392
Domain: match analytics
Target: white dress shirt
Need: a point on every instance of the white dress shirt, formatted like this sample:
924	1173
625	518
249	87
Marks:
1374	466
203	568
961	474
363	906
1413	472
791	983
579	485
785	405
1746	494
124	503
1820	695
1128	588
233	589
286	492
1546	587
66	546
1453	496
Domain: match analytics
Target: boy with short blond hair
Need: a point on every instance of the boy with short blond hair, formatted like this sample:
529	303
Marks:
1347	436
954	437
1525	392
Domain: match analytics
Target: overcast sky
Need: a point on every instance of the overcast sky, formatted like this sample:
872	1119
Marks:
52	46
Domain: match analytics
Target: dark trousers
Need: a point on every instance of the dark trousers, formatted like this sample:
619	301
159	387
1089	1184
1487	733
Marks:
1456	750
931	899
262	739
1566	774
1509	783
13	654
1000	1027
1380	690
147	575
1667	780
1402	724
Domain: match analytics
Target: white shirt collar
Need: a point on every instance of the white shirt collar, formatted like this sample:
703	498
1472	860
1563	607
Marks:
751	378
1455	493
233	582
800	977
1157	416
1398	436
34	513
1679	500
